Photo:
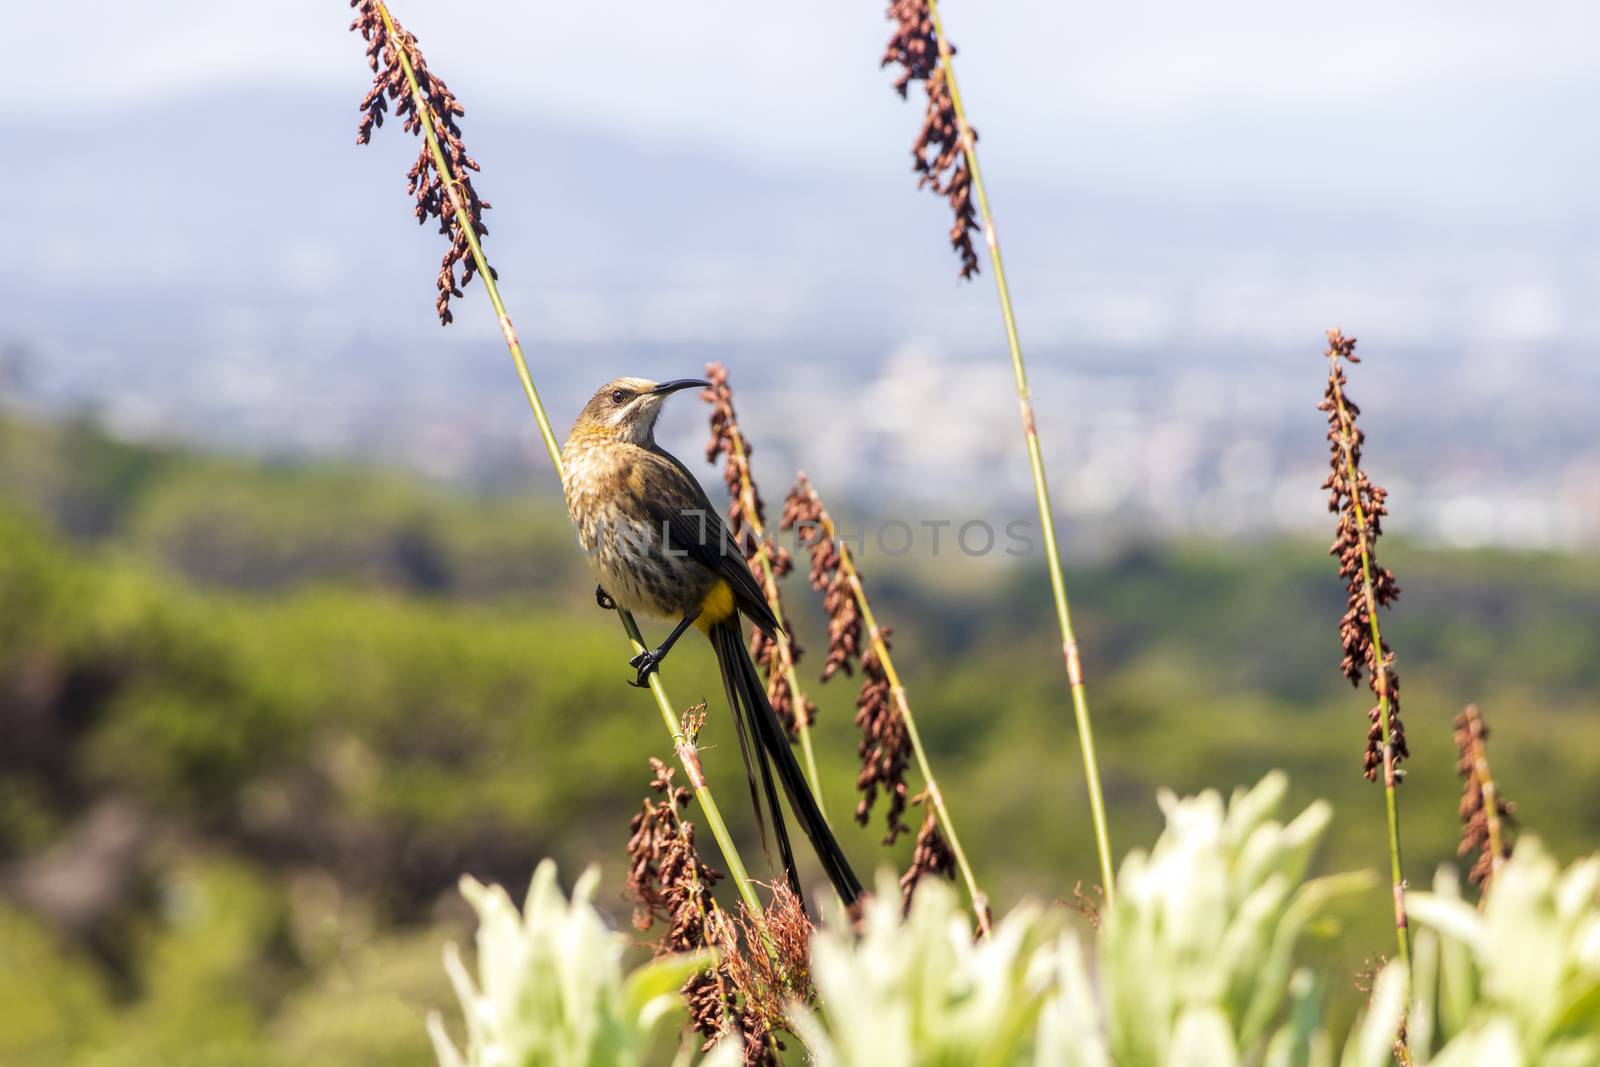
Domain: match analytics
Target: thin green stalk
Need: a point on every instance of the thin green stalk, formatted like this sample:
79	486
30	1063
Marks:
980	900
1381	671
1041	489
769	582
687	754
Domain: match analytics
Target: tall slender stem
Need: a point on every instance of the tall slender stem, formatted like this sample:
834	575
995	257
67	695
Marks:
769	582
1041	489
687	754
1380	671
980	900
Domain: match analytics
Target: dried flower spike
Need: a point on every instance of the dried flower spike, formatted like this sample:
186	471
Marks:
888	730
747	520
938	154
1360	505
666	879
437	195
1485	815
931	856
885	745
768	972
804	515
670	886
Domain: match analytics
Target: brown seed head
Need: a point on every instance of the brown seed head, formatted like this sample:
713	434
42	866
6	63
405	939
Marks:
804	514
438	195
666	878
747	513
938	155
884	748
670	886
931	856
747	519
885	745
767	973
1088	902
1360	506
1486	816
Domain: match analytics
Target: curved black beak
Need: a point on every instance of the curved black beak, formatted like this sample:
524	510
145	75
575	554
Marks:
679	383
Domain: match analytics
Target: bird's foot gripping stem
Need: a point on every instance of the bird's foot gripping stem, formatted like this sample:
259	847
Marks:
603	598
646	662
650	659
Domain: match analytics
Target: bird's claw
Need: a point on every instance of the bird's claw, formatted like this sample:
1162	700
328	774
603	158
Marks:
647	663
603	598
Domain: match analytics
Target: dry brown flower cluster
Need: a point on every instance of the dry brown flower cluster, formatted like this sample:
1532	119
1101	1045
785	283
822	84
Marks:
670	885
804	514
884	748
438	196
1360	508
931	856
747	518
769	973
729	444
885	745
1088	904
666	879
1485	815
938	154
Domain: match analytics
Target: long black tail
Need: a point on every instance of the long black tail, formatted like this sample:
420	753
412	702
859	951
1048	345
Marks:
753	715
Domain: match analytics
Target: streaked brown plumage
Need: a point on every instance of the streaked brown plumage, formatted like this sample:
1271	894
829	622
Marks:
659	548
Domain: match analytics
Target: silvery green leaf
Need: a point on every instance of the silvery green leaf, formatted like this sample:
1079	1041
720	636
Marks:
1495	1044
1309	900
1424	995
444	1050
1070	1030
550	990
1203	1038
1454	918
1301	1041
1372	1043
1458	980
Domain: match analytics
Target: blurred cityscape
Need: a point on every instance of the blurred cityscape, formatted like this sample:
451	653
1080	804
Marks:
178	286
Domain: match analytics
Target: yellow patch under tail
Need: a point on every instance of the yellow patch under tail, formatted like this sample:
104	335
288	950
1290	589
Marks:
717	605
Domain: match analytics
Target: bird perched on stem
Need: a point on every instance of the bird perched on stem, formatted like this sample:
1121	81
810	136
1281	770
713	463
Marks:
659	548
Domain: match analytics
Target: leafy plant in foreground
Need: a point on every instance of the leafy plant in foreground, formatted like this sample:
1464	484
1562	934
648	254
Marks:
1194	966
550	986
1518	982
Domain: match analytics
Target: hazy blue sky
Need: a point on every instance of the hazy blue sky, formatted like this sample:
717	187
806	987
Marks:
1434	105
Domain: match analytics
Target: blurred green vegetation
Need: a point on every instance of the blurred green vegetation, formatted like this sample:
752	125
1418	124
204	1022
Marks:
256	719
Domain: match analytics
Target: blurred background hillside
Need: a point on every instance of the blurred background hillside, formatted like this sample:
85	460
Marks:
292	629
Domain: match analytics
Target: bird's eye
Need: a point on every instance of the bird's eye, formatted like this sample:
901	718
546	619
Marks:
618	396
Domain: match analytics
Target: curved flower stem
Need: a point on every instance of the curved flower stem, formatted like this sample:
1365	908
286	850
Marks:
769	582
1041	489
687	753
1381	673
980	900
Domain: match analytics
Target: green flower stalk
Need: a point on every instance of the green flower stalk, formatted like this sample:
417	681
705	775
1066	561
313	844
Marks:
946	158
444	190
1360	505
